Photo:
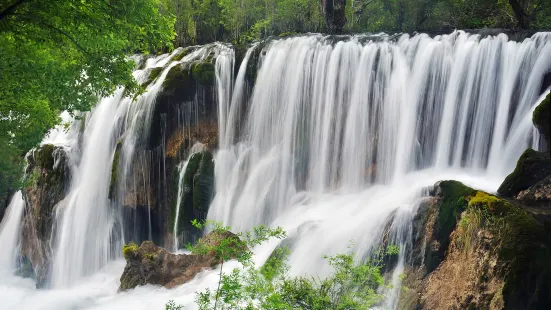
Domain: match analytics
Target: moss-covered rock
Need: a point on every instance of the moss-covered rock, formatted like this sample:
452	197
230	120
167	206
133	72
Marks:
178	85
153	75
542	119
532	167
115	170
453	201
203	73
497	254
150	264
46	183
198	189
183	53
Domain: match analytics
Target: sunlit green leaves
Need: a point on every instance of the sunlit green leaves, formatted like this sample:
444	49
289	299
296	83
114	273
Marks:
62	55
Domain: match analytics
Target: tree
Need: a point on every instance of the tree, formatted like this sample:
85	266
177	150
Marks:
62	55
526	11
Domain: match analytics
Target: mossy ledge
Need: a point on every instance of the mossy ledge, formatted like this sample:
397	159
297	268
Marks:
506	249
453	201
203	73
153	75
532	167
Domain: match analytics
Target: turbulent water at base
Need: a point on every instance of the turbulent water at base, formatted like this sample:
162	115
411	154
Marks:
9	232
337	139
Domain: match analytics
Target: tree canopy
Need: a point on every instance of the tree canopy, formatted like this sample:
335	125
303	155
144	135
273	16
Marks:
61	55
200	21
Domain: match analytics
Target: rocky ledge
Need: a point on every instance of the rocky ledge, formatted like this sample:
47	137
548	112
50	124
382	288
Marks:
150	264
475	250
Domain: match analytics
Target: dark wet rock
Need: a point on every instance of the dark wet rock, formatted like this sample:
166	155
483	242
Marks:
150	264
198	191
46	183
542	119
538	194
532	167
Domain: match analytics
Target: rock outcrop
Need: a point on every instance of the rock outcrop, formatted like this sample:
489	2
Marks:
532	167
47	181
197	191
542	120
184	113
150	264
478	251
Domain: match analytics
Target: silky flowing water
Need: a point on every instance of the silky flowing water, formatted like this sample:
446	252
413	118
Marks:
337	138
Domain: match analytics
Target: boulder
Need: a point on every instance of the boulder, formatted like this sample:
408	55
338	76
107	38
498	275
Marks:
46	183
532	167
150	264
542	119
479	252
537	194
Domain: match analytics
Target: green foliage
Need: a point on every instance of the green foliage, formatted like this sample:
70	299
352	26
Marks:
171	305
248	20
352	285
129	250
62	55
203	73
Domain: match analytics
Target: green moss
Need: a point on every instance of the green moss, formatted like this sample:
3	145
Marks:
203	73
523	248
45	156
541	118
203	183
177	75
153	75
532	167
287	34
150	256
197	188
130	250
115	170
181	54
454	199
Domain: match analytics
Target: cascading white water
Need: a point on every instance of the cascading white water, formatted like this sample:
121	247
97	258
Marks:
340	137
87	237
338	117
197	147
10	229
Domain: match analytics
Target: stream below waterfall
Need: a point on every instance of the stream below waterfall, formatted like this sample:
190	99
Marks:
335	139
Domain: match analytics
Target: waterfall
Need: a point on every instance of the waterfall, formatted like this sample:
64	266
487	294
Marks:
89	222
10	229
333	138
342	135
197	147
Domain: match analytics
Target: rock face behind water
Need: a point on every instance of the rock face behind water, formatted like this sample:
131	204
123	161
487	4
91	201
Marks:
150	264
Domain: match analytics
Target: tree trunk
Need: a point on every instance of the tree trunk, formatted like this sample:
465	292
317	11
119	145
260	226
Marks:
335	15
521	16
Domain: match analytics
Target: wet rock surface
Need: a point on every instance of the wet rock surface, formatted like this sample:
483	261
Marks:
474	250
150	264
47	181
